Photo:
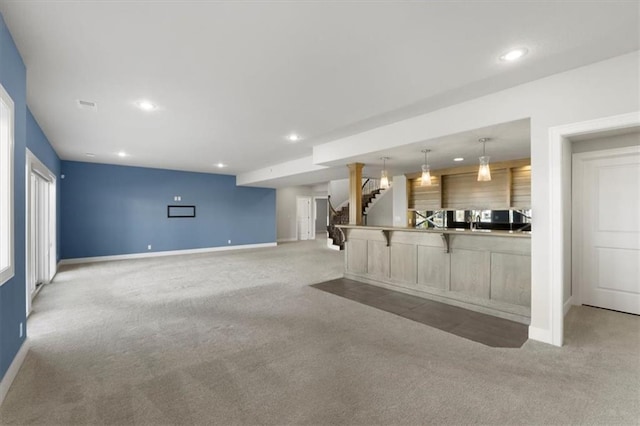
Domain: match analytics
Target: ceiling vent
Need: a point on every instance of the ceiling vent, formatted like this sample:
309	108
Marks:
88	105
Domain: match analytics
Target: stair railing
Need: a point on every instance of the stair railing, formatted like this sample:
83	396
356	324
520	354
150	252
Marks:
337	218
370	185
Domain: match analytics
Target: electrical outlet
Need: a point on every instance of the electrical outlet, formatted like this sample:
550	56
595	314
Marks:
21	330
149	247
229	242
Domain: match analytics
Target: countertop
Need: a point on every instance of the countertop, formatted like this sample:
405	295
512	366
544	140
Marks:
455	231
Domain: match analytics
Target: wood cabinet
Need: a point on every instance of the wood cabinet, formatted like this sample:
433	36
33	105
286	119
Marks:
486	272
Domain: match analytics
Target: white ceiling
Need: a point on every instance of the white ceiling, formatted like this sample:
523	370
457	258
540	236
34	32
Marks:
507	141
232	79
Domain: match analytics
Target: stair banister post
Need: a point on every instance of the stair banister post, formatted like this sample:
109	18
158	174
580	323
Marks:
355	193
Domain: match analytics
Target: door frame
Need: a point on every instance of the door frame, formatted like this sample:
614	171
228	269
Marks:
559	202
315	211
33	164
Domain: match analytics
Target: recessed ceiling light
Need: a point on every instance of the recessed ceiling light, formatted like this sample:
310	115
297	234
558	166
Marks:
146	105
221	165
458	159
514	55
90	154
122	154
293	137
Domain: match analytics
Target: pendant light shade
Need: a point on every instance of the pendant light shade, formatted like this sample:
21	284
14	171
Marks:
484	171
384	180
426	170
384	177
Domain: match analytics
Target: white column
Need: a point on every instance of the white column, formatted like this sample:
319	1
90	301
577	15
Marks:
400	201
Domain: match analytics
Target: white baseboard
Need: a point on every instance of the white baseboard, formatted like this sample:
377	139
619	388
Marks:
162	253
13	369
540	334
287	240
567	305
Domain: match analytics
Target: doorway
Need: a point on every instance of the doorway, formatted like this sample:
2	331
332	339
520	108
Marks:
560	227
606	232
41	227
321	217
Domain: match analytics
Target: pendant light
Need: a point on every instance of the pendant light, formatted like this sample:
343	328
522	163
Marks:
426	170
484	172
384	178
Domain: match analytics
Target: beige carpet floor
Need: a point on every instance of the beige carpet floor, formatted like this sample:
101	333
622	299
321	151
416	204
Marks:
240	338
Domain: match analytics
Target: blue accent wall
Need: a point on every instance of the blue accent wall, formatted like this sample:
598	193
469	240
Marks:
39	146
113	210
13	77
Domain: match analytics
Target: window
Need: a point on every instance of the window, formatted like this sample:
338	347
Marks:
6	186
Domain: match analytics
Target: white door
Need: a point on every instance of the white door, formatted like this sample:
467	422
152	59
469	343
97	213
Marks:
304	218
606	212
41	229
39	233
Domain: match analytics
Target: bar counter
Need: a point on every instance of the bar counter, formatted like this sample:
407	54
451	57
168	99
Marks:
481	270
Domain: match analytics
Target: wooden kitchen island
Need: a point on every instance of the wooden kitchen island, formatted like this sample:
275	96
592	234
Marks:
484	271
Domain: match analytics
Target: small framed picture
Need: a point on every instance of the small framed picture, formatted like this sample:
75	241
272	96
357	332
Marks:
181	211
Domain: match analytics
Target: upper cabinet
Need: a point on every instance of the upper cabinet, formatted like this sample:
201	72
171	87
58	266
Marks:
458	188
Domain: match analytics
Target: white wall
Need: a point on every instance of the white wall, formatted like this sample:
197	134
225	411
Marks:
288	168
320	190
400	201
339	191
381	213
286	210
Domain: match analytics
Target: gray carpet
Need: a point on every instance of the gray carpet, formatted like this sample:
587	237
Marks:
240	338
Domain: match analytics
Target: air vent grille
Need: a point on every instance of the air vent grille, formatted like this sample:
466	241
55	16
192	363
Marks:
88	105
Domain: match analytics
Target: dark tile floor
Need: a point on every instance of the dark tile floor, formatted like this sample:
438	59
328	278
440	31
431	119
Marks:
481	328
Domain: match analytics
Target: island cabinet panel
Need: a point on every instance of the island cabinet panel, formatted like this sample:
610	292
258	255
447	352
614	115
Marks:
470	273
433	268
511	278
378	262
404	259
356	256
485	271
